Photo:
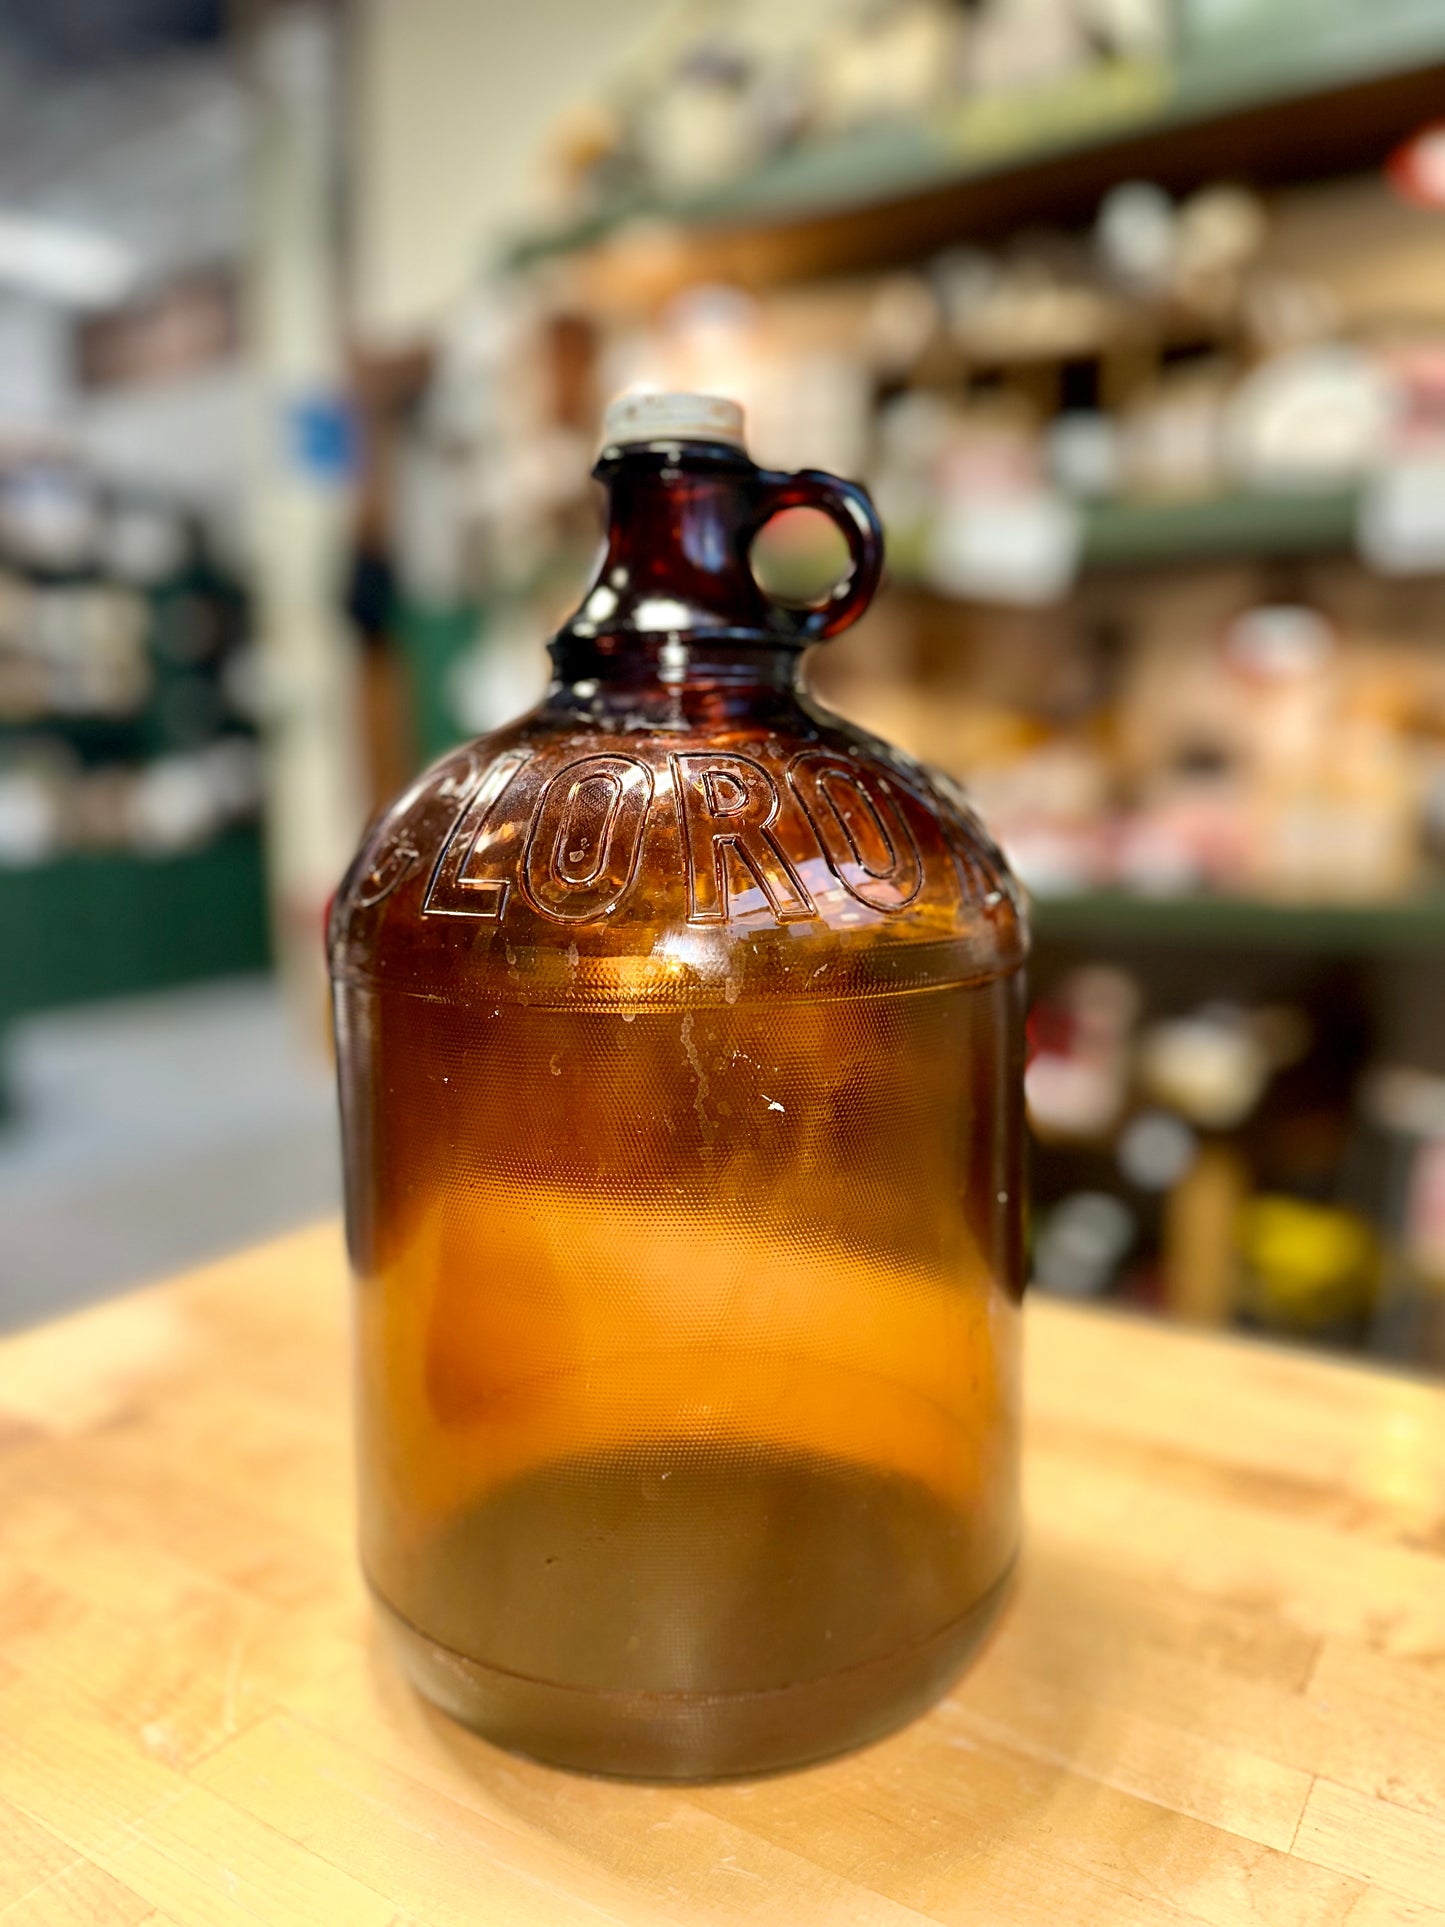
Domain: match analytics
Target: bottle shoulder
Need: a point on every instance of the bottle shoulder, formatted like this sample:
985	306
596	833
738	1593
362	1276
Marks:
581	859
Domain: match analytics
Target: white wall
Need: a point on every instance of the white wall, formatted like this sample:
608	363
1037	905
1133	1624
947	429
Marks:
35	377
454	102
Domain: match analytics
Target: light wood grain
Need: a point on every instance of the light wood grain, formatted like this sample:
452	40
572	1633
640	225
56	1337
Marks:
1218	1695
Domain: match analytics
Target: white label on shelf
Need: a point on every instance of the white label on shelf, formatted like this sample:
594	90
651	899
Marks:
1021	548
1401	528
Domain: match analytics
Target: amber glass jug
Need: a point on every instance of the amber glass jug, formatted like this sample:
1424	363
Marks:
680	1042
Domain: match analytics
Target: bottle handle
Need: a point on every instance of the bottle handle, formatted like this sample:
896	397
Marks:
851	508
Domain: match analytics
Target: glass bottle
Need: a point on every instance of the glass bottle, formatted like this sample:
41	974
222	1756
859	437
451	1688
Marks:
680	1038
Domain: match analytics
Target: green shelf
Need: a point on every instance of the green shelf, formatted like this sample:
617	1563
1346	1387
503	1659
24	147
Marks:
1239	527
87	927
1279	99
1414	925
1227	527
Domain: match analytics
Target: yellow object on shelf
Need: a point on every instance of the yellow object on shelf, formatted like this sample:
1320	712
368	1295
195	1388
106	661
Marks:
1306	1266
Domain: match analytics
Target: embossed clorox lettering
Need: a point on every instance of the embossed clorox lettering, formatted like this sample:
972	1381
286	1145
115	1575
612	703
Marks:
979	871
466	882
393	866
396	844
571	835
863	831
586	836
727	805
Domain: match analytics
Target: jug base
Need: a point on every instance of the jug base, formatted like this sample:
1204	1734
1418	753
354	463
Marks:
692	1736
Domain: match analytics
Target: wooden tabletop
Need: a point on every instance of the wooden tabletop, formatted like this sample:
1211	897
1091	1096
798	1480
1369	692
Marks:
1218	1695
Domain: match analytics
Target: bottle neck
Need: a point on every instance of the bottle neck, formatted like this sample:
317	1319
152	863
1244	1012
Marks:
674	614
673	602
672	681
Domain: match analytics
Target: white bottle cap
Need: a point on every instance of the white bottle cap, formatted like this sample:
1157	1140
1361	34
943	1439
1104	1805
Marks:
672	418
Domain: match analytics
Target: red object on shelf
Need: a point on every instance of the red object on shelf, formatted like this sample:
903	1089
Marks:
1416	169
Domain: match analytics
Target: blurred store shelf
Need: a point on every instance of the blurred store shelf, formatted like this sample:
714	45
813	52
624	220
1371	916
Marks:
1244	525
1124	535
1105	917
1271	105
106	924
130	778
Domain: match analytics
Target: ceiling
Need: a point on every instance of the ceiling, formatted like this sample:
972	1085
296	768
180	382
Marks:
73	36
125	118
